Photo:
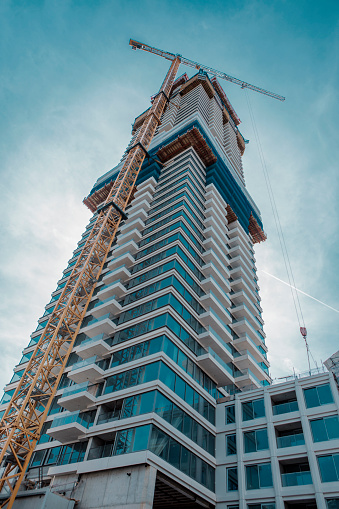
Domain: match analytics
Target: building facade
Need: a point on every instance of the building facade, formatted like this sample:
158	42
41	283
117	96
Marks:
173	338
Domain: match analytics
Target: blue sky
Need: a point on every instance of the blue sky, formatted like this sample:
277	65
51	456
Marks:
70	89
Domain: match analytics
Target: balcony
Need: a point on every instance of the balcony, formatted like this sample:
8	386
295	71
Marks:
296	479
216	368
213	220
137	223
246	359
284	408
246	378
119	274
97	346
241	280
210	339
211	302
143	199
124	260
127	236
242	311
79	397
210	271
68	428
211	320
243	326
244	342
116	289
217	242
290	440
86	370
217	269
100	325
102	307
210	284
128	247
283	403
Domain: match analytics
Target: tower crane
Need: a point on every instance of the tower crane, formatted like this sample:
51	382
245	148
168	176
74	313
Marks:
21	424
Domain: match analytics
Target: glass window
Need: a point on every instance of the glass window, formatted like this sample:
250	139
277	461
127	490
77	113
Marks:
253	409
232	479
141	438
37	458
230	414
329	467
326	428
231	445
259	476
332	503
256	440
317	396
52	455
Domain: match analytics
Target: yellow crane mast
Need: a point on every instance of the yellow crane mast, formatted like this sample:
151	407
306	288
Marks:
20	427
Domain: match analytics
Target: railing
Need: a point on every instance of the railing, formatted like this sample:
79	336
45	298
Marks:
68	419
97	338
296	479
102	288
74	389
314	371
222	363
93	320
86	362
285	408
291	440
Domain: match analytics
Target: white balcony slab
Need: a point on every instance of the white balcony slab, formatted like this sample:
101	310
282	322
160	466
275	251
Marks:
91	373
67	432
209	319
89	349
210	270
209	339
130	235
111	306
77	401
128	247
126	259
116	288
215	370
130	225
118	274
105	326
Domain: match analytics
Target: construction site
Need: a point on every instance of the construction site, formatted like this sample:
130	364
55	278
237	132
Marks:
146	383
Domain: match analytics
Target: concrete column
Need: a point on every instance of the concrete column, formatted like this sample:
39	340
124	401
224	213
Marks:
120	488
273	451
240	455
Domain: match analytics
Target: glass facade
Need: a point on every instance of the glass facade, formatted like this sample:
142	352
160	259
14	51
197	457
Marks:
230	414
329	467
259	476
256	440
325	428
231	445
160	371
232	479
317	396
253	410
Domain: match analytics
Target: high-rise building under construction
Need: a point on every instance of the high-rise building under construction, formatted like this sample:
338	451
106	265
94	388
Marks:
166	400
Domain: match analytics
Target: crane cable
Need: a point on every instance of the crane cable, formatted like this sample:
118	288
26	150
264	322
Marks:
281	237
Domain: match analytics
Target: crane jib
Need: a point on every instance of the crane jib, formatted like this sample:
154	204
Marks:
186	61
